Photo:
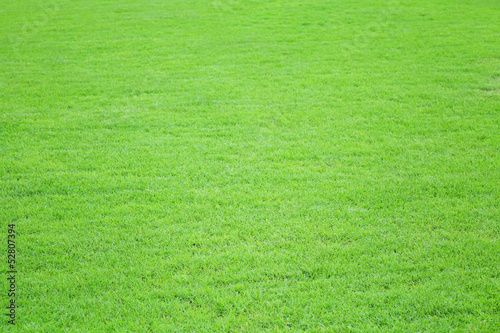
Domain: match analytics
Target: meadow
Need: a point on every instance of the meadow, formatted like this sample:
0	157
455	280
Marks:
251	166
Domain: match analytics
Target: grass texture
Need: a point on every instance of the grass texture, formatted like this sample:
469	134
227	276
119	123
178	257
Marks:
251	166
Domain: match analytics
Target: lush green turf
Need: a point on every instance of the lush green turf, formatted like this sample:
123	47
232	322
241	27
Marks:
204	166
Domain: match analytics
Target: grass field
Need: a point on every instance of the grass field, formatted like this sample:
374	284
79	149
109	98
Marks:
251	166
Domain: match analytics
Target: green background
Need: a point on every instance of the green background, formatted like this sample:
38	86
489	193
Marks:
248	166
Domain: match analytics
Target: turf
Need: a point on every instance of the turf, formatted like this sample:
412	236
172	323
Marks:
251	166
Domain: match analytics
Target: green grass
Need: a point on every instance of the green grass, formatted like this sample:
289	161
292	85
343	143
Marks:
248	166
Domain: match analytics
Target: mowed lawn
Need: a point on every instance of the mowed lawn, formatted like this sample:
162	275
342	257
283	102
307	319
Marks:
251	166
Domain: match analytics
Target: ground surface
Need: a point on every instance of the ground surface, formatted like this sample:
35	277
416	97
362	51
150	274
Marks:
205	166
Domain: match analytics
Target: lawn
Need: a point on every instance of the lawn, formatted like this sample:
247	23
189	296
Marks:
251	166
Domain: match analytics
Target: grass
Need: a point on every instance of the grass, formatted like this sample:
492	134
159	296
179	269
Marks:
248	166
